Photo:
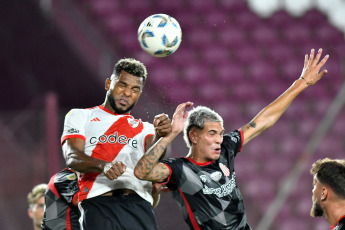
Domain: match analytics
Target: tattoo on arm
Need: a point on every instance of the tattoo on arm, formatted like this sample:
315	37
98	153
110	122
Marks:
248	126
150	160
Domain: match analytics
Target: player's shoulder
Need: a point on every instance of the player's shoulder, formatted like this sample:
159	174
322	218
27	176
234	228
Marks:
82	111
234	136
146	123
173	160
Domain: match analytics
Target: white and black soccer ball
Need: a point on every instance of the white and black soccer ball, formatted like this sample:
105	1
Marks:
160	35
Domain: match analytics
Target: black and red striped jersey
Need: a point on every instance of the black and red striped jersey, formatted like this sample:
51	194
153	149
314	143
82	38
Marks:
207	193
60	212
340	225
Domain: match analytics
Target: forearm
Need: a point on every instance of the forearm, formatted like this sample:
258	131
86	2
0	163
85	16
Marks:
268	116
83	163
146	164
154	141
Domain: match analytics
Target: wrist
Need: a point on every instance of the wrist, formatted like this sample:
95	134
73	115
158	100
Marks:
107	167
303	79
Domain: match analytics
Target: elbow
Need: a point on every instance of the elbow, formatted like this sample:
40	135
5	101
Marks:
72	163
138	173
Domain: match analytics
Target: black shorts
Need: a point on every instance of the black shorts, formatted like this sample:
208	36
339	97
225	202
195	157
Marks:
119	212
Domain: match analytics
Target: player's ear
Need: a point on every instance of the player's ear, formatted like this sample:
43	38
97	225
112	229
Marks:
193	137
324	193
107	84
31	215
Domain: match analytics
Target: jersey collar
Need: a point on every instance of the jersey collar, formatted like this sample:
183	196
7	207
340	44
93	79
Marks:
197	163
108	111
333	227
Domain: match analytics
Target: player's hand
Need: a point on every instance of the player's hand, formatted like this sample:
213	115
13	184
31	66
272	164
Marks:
116	170
157	188
180	117
162	124
311	71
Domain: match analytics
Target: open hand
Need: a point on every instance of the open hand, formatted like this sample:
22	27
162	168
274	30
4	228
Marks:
311	71
180	117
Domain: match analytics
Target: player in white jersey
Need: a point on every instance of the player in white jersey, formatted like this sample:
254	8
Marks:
103	145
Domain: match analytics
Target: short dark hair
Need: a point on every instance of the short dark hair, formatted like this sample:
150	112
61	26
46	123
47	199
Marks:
131	66
331	172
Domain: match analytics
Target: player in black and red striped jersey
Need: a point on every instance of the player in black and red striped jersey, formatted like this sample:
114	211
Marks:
204	182
61	211
329	191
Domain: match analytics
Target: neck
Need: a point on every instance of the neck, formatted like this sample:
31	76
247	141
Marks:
194	154
334	212
108	106
37	227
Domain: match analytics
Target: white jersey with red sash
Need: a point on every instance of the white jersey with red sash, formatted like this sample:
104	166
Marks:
110	137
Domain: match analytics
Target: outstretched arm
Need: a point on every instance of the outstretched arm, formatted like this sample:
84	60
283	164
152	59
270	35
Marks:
148	167
267	117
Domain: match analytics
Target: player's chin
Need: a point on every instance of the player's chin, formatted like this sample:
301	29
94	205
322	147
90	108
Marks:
123	107
215	155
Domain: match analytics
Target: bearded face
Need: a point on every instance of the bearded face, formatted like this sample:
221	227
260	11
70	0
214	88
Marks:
316	210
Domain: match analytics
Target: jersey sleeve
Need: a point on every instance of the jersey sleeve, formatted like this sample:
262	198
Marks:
74	126
175	166
233	142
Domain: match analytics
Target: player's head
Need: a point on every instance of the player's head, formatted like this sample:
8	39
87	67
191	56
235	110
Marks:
329	176
36	204
125	85
204	131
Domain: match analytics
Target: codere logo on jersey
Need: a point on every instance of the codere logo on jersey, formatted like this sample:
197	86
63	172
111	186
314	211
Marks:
114	138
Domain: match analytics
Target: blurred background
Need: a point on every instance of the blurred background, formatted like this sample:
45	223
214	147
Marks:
235	57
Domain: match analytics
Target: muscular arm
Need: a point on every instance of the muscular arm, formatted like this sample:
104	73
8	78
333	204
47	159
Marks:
162	126
77	160
267	117
148	167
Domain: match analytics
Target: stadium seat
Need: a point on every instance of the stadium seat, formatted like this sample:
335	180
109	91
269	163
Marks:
215	54
233	37
230	73
314	18
296	34
297	7
328	34
264	35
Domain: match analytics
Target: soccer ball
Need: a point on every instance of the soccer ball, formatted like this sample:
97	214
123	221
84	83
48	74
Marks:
159	35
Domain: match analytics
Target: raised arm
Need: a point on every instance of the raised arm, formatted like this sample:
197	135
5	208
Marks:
267	117
148	167
76	159
162	125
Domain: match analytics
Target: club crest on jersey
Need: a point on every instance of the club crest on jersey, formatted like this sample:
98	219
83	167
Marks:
133	123
71	176
216	176
203	178
224	169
